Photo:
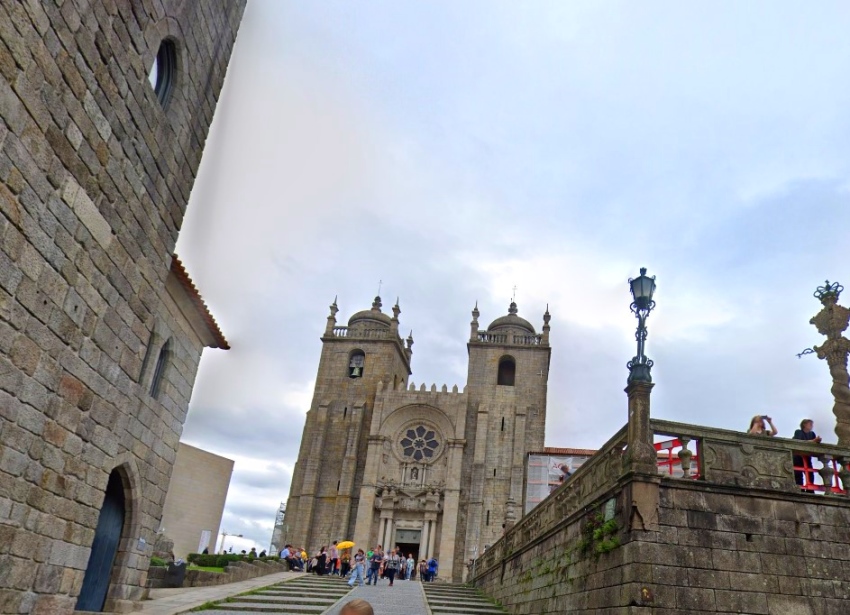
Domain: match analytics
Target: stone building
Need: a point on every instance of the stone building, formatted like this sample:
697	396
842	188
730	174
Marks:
104	111
194	504
439	472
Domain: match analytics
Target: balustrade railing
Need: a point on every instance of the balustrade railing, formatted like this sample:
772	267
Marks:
729	457
527	340
358	332
504	338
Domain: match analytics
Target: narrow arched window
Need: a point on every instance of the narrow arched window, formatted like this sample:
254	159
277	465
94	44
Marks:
164	71
507	371
356	364
159	371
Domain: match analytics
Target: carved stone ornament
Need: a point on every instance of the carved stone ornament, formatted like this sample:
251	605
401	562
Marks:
748	465
832	321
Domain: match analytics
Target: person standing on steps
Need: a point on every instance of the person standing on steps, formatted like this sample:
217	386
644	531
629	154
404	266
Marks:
359	563
333	559
433	565
374	566
410	563
392	564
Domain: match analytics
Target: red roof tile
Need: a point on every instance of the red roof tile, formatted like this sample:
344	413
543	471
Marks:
180	271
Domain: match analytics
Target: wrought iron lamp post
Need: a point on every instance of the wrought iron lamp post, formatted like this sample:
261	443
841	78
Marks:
640	454
832	321
642	287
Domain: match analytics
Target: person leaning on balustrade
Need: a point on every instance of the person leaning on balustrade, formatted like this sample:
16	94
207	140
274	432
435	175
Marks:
758	426
805	433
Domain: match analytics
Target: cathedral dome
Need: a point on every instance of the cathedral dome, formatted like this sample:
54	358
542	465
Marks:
511	320
372	317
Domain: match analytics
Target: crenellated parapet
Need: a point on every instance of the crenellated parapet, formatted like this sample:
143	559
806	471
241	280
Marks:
387	390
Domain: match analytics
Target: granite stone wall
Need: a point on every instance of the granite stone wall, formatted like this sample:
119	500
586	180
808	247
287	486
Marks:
715	550
95	175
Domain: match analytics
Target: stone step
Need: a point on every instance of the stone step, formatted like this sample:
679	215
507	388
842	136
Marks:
437	610
218	611
258	607
459	600
471	601
468	594
300	589
441	595
294	599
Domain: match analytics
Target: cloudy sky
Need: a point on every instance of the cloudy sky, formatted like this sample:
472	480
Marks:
456	149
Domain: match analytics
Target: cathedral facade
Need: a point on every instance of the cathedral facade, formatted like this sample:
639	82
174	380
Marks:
438	472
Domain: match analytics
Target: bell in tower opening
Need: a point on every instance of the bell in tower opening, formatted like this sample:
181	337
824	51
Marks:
355	365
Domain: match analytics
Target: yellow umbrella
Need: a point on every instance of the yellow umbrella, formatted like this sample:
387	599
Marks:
345	544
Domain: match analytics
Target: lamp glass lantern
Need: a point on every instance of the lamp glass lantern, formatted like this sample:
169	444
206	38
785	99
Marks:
643	287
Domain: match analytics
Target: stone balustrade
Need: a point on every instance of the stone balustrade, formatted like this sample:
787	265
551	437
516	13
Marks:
590	483
728	457
361	333
504	338
707	455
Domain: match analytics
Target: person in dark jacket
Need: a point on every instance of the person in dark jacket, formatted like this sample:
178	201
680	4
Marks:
805	433
321	567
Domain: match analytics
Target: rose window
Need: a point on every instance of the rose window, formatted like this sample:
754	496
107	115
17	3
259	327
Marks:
419	443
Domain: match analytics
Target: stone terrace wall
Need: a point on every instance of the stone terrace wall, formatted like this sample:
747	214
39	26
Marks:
95	176
233	572
716	550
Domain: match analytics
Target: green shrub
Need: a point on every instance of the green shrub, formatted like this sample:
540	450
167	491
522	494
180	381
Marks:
214	560
158	561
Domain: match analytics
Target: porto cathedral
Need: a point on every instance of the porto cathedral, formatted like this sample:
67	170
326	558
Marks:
435	471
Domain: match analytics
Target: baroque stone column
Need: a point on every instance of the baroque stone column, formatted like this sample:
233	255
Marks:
832	321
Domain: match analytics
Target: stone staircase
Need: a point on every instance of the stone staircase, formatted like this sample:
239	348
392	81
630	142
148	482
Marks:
446	599
307	595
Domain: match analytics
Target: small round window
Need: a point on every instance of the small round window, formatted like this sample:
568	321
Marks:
163	71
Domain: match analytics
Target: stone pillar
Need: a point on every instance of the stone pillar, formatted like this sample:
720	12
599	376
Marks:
369	502
426	527
640	456
450	541
431	535
641	461
388	534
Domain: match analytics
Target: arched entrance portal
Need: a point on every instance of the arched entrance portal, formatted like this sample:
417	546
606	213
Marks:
110	524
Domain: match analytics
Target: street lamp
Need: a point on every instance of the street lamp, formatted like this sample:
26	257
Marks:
642	287
832	321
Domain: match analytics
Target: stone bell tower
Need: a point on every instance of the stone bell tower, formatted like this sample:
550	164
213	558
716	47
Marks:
507	385
327	476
